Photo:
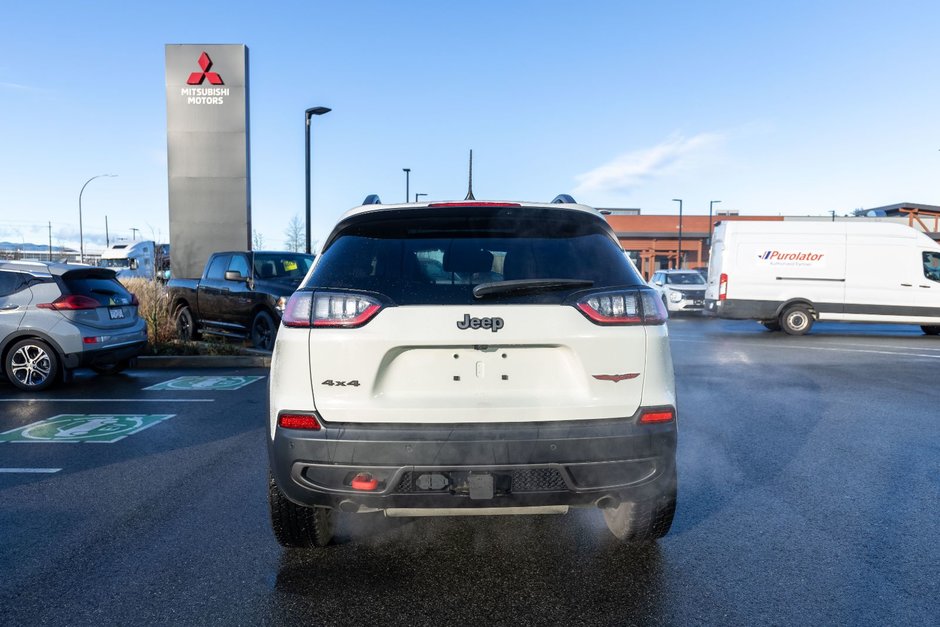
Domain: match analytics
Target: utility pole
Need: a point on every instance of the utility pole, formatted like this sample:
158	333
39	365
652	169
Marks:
107	240
134	233
50	241
407	172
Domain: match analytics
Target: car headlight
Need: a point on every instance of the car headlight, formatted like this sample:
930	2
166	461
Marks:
675	296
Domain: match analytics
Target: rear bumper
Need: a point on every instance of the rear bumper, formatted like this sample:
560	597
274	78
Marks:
476	466
736	309
104	356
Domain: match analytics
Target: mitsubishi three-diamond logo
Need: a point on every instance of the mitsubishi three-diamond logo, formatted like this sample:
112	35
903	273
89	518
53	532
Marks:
205	63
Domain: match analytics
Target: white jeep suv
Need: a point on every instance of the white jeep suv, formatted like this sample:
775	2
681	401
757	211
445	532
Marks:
472	358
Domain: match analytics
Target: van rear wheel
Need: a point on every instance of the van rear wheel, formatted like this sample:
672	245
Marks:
796	320
931	329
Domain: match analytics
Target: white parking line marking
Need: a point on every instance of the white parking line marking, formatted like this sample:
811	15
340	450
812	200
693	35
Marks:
107	400
48	471
817	348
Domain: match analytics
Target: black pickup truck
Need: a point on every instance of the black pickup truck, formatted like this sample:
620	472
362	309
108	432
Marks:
240	295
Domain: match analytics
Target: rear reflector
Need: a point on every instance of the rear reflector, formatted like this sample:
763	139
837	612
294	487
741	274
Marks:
298	421
657	415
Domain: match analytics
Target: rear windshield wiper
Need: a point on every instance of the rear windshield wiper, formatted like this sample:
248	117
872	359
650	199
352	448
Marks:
527	286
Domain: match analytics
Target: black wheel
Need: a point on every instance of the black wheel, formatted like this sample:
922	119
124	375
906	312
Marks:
263	331
644	521
185	324
931	329
296	526
772	325
116	367
796	320
31	365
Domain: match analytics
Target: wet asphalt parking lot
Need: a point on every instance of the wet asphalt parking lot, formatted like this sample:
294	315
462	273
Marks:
809	493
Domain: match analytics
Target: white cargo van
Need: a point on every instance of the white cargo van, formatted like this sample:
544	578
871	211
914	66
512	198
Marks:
789	274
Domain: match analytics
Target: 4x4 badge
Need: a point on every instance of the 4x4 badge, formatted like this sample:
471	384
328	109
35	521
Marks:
493	324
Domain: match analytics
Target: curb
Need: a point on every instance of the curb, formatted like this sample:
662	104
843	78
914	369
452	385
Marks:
205	361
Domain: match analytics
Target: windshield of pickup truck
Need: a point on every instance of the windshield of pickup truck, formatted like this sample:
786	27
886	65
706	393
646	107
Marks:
274	266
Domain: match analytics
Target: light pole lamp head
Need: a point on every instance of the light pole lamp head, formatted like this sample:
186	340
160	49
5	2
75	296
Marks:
317	111
406	169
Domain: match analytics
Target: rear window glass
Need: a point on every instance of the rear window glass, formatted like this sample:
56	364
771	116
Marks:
438	257
108	292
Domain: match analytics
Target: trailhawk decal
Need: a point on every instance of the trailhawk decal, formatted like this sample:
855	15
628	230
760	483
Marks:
616	378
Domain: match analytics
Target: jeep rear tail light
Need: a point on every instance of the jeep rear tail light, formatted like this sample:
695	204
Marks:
623	308
71	302
723	287
336	309
308	422
298	309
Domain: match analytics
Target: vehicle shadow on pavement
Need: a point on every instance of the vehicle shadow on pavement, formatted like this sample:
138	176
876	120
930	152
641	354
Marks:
501	570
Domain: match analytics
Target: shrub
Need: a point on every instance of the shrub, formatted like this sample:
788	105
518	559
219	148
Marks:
153	308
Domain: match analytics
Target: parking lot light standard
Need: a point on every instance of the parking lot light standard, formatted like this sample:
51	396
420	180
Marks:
679	252
407	172
81	239
307	115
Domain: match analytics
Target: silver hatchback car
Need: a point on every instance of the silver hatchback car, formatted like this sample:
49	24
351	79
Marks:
58	317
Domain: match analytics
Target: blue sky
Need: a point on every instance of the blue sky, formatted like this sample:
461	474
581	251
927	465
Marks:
793	108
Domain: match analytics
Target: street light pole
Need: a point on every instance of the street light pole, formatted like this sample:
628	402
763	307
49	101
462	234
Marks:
417	196
711	203
307	114
81	235
407	172
679	253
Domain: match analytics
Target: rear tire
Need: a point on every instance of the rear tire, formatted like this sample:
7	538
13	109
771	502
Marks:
186	324
931	329
643	521
31	365
796	320
114	368
263	331
772	325
296	526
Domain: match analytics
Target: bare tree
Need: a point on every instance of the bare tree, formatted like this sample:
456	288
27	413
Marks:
257	240
295	235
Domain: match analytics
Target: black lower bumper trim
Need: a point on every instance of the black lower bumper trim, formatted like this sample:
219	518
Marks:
568	463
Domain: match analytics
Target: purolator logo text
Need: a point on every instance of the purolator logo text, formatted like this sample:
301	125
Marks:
204	95
776	255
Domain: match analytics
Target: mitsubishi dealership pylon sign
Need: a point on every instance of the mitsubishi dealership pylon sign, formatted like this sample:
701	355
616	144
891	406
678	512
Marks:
207	152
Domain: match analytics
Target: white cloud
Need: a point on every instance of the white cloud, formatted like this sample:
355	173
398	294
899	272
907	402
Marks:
632	169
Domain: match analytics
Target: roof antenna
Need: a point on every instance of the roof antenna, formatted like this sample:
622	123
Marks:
470	187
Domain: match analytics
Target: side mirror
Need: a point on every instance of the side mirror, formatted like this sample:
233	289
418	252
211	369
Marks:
232	275
658	283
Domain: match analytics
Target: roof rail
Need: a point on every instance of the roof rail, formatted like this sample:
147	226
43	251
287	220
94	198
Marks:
372	199
563	198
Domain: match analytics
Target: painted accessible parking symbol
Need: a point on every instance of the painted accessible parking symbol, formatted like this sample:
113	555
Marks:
101	428
202	384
